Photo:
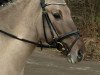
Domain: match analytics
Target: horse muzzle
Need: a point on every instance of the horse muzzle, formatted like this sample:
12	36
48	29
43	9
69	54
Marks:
75	57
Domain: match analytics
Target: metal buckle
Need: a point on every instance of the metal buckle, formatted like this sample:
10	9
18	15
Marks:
60	46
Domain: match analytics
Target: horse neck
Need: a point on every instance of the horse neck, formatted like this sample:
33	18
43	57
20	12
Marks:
19	18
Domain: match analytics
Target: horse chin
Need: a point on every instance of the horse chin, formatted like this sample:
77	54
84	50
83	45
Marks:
71	61
72	58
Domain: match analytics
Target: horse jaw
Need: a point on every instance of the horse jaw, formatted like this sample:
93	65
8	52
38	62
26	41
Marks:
71	58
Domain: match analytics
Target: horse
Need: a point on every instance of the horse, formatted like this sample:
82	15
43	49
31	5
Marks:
27	24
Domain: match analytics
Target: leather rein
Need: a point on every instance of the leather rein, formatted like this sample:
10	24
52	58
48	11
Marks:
56	41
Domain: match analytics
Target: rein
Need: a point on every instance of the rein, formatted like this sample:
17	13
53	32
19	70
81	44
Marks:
56	41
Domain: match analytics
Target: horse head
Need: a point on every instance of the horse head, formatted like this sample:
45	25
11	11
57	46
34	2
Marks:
60	31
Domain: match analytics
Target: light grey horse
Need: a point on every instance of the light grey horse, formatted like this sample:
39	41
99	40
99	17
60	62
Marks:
23	18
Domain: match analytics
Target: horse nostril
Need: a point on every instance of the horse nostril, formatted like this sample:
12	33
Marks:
80	55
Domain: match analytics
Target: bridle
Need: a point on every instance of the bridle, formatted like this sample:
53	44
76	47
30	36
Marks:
57	42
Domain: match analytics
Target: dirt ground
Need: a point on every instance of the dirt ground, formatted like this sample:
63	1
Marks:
50	62
92	49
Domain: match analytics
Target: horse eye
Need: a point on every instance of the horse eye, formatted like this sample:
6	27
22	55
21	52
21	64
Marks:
57	16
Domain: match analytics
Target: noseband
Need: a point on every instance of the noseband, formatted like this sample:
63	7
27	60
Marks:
57	42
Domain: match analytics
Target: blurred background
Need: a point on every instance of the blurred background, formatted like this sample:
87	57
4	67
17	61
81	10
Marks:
86	15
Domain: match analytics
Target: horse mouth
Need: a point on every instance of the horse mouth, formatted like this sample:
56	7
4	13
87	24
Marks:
74	59
70	59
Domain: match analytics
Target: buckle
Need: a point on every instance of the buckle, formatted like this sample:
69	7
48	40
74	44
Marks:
61	46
